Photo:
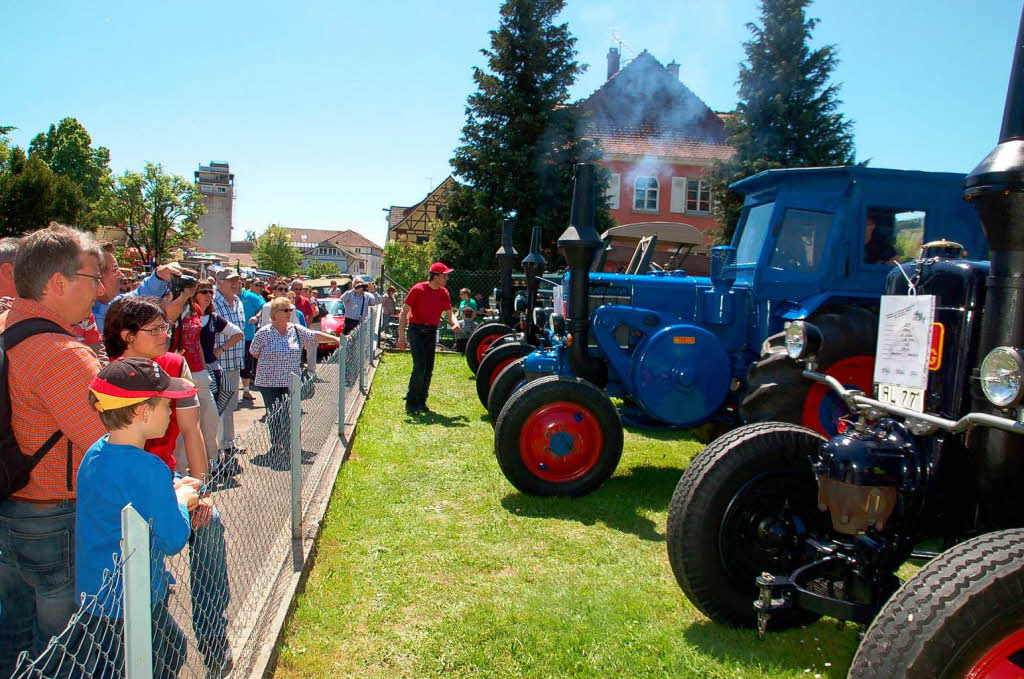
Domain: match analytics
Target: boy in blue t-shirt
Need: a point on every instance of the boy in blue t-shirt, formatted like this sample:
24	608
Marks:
132	396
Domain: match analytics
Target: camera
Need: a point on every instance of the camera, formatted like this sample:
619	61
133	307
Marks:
179	283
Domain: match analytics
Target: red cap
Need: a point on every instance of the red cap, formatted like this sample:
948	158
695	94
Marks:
440	267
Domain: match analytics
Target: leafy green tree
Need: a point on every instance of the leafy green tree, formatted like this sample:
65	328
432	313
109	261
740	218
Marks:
67	148
5	142
520	141
156	210
318	269
788	112
274	251
407	263
31	196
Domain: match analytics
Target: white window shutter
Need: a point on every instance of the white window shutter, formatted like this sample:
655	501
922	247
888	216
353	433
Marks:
613	189
678	199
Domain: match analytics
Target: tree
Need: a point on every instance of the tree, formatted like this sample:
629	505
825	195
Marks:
5	142
156	210
407	263
274	251
788	112
31	196
318	269
520	141
67	148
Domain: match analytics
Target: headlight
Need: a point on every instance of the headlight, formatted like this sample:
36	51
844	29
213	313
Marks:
557	324
519	303
540	316
1001	376
802	340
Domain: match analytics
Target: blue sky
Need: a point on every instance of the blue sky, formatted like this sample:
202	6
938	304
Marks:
331	111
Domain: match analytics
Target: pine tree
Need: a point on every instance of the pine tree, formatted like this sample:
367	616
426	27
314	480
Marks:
520	141
788	112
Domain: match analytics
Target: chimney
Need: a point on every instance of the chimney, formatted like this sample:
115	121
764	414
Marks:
673	68
613	61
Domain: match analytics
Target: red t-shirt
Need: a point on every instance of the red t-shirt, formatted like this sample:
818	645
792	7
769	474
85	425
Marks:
186	339
305	306
163	447
427	304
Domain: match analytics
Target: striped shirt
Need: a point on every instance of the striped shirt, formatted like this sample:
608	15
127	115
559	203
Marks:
279	355
48	380
233	358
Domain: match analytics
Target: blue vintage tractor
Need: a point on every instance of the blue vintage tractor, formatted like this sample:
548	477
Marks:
686	351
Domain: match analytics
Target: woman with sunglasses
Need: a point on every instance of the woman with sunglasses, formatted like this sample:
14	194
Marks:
281	289
278	350
137	327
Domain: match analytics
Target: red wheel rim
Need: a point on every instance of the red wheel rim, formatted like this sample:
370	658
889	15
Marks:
484	345
497	371
823	408
560	442
1005	660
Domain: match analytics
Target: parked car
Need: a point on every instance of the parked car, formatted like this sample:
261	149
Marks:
333	321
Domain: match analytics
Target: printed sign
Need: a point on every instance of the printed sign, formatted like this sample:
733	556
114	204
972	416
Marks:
904	340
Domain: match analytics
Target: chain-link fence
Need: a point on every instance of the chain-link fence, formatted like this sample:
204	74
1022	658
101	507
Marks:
226	584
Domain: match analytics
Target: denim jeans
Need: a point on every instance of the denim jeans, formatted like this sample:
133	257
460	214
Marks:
422	343
280	437
37	576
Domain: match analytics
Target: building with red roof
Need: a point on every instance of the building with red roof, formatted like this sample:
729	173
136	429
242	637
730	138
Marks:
658	138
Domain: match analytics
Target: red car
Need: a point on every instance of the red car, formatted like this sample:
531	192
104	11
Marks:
333	322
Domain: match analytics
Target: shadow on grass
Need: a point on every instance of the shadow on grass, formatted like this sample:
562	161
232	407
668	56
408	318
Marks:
616	504
434	417
280	461
800	649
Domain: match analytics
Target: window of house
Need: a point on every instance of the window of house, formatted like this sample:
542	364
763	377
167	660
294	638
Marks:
698	196
645	193
222	189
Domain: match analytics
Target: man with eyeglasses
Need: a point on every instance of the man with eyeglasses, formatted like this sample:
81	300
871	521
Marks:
58	275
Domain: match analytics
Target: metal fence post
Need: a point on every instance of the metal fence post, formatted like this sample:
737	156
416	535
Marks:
138	616
342	385
295	415
361	349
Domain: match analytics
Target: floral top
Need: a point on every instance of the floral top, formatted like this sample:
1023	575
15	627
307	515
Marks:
279	355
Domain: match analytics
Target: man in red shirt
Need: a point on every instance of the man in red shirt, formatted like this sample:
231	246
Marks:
424	306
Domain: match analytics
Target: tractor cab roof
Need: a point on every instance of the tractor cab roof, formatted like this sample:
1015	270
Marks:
667	232
769	178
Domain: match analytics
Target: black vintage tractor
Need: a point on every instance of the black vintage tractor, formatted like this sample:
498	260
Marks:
774	525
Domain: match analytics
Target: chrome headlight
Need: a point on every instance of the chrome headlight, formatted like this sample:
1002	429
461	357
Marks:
557	324
1001	374
802	340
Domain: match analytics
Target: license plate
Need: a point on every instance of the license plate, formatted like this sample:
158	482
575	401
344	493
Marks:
904	397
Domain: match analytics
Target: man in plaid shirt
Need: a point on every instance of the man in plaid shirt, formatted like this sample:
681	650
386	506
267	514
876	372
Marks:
229	307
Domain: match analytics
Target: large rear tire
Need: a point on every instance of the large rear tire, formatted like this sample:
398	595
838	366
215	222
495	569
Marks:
961	615
508	381
480	341
736	513
558	436
495	360
777	391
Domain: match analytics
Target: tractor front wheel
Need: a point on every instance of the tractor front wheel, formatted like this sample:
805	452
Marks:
558	436
505	384
740	509
961	615
494	362
777	390
480	341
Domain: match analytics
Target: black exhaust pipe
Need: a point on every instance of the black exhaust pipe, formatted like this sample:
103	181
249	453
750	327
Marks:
996	190
533	266
507	257
579	243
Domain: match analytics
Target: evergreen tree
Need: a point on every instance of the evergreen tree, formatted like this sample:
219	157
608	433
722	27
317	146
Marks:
788	112
31	196
520	141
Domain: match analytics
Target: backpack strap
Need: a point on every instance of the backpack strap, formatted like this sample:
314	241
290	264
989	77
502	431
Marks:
11	337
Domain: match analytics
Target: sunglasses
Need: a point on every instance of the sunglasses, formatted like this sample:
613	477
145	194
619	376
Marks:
204	292
282	289
288	309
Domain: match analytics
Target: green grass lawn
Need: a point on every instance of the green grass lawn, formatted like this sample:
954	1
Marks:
431	564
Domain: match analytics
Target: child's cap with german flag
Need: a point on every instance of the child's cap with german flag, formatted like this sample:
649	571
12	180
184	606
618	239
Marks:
128	381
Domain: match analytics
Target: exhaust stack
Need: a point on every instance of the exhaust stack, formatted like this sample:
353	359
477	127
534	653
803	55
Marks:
507	257
533	266
996	190
579	243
